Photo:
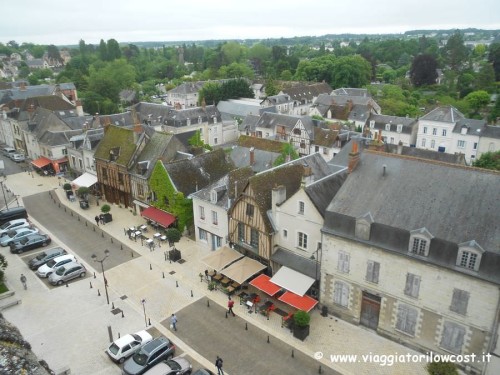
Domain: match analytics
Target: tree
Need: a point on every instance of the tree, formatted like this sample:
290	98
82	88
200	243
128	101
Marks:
53	53
477	100
3	266
423	70
351	71
485	78
103	50
442	368
288	153
489	160
173	235
494	59
114	51
455	52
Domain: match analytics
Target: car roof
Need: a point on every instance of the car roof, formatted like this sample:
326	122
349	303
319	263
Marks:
64	257
152	345
15	221
124	340
54	250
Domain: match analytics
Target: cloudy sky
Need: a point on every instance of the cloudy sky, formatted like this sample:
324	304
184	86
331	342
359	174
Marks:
66	22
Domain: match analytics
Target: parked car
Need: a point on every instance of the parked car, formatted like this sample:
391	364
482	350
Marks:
8	150
174	366
203	371
33	241
13	224
16	234
53	264
68	271
149	355
13	213
17	157
125	346
45	256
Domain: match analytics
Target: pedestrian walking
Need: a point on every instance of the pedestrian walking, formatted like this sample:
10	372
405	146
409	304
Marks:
218	364
97	219
101	219
23	281
173	322
230	304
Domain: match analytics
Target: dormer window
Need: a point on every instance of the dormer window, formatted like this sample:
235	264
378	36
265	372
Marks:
199	119
420	241
388	127
469	255
400	128
372	124
363	226
213	196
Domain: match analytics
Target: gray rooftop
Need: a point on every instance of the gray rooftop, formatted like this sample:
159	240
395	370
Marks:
444	114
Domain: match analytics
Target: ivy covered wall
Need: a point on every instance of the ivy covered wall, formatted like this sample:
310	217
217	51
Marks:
168	199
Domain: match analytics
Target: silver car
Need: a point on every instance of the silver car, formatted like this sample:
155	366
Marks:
174	366
67	272
16	234
17	157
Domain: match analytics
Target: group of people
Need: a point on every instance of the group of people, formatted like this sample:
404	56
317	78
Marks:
99	219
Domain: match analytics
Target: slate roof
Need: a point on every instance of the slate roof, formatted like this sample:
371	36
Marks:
52	102
117	119
190	175
230	109
155	147
155	113
306	93
474	127
350	92
427	154
491	131
260	143
21	93
119	140
359	112
462	201
321	192
248	123
179	118
262	159
325	137
187	88
279	99
382	120
271	120
444	114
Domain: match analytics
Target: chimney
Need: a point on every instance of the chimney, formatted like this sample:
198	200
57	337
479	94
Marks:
307	176
278	196
252	156
79	108
203	104
353	157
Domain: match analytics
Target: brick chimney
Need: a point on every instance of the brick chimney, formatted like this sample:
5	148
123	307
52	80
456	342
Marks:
79	108
353	157
278	196
307	176
252	156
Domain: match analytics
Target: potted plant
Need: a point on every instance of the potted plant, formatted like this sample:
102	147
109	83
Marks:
301	321
68	189
212	285
105	208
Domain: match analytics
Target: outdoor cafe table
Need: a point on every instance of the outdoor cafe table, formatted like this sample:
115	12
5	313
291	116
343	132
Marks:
144	228
157	236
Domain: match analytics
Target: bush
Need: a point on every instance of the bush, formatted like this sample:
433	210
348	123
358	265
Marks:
442	368
67	186
83	192
173	235
301	318
105	208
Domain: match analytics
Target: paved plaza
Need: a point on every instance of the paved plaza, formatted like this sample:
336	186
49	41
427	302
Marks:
68	326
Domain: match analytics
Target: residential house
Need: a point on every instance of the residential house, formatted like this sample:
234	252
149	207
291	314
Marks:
445	129
282	102
348	91
211	205
298	221
298	130
113	157
304	95
81	151
37	64
257	159
185	95
239	109
428	281
327	141
251	229
394	129
489	140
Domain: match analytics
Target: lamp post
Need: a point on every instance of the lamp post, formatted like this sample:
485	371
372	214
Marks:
317	259
143	301
94	258
4	197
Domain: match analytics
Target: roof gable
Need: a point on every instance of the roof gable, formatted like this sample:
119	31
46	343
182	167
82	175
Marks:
118	144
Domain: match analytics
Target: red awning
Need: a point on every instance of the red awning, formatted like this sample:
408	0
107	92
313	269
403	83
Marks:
305	303
262	282
41	162
163	218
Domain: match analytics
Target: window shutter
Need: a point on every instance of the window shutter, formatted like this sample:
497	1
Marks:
376	269
412	286
369	271
459	301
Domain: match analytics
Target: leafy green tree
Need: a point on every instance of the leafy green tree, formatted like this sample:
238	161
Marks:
488	160
423	70
485	78
455	52
236	70
271	88
495	112
317	70
351	71
103	50
114	51
173	235
477	100
3	266
494	59
288	153
442	368
232	52
53	53
465	83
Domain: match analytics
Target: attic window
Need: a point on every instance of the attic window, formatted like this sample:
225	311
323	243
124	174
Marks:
372	124
420	240
400	128
469	255
213	196
388	127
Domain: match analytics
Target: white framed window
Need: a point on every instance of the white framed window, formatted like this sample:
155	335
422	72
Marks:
412	285
469	255
452	337
419	246
214	218
475	146
425	129
461	143
215	141
301	208
434	131
388	127
459	301
422	143
215	120
407	319
341	294
202	234
372	271
433	143
443	133
202	213
343	262
400	128
392	141
302	240
372	124
213	196
188	121
199	119
420	240
285	233
469	260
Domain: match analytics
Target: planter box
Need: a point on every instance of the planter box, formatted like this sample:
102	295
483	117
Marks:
300	332
107	217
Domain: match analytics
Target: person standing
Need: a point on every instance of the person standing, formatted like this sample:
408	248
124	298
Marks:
230	304
173	322
218	364
23	281
96	218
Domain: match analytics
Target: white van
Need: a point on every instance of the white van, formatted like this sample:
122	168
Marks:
54	264
8	150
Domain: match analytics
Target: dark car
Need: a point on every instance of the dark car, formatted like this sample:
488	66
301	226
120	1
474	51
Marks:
13	213
45	256
33	241
203	371
149	355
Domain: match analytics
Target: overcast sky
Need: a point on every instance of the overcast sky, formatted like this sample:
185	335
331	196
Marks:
66	21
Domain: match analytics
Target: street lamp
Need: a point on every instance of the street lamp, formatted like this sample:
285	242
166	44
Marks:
143	301
317	260
94	258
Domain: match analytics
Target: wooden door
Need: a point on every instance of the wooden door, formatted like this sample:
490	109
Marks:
370	310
